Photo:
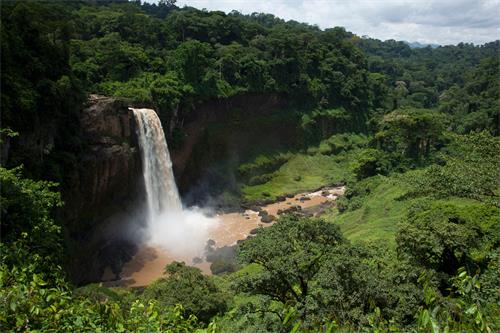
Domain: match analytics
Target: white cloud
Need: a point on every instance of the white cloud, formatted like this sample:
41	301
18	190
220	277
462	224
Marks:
425	21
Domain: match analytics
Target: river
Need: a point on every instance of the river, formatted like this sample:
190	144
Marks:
148	264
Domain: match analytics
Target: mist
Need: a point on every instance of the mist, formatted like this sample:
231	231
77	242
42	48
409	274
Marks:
182	233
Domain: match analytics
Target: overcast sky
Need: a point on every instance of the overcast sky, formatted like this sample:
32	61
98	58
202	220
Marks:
425	21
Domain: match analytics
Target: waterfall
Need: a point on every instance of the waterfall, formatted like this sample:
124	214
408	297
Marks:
183	233
161	190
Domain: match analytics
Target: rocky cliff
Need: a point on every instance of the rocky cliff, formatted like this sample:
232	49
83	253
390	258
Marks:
102	192
218	135
109	164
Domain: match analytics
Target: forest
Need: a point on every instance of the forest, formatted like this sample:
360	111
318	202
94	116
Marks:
412	133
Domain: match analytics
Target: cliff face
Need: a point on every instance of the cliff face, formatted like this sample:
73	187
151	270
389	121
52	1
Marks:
225	112
102	192
109	164
221	134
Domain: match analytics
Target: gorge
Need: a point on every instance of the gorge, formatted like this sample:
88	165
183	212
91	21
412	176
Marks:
176	233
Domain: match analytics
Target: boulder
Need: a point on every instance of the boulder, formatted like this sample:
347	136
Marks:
254	231
263	213
268	218
197	260
255	208
293	208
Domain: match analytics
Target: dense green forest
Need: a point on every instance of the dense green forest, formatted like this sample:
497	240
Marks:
412	246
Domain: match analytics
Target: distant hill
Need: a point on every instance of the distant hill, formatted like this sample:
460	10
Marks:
417	45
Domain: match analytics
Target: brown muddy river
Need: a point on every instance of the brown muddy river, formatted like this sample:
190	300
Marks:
148	264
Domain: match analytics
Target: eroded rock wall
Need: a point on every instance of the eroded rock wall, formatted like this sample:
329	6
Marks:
104	191
109	164
221	134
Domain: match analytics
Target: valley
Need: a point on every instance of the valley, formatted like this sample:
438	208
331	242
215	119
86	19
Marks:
166	168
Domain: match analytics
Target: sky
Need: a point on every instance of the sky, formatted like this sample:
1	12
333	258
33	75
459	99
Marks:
426	21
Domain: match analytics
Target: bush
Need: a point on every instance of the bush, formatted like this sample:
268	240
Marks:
368	163
263	164
339	143
221	265
448	234
187	286
355	193
262	179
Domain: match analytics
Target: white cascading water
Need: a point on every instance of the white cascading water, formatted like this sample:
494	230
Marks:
178	230
162	193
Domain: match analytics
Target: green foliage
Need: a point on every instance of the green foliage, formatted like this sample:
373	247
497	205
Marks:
339	143
450	314
446	235
7	133
474	106
263	164
30	302
413	133
40	93
370	210
301	172
347	286
26	208
470	170
322	123
137	89
107	58
298	259
305	264
461	80
369	162
187	286
252	313
290	253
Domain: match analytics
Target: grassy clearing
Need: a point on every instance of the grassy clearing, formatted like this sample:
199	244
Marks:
380	211
378	215
331	162
300	173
